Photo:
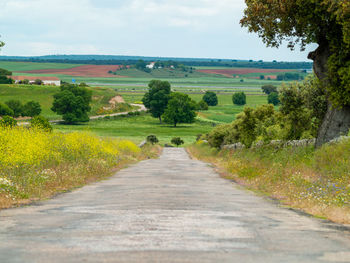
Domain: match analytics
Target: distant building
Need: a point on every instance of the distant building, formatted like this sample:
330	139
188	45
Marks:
151	65
46	80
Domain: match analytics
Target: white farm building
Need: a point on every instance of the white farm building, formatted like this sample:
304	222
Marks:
46	80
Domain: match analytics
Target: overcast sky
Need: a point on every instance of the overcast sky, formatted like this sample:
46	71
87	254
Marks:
167	28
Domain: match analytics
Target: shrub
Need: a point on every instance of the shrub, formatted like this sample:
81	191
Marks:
210	98
239	98
5	110
152	139
8	122
5	80
269	89
273	98
16	106
202	105
73	103
177	141
40	122
38	82
31	109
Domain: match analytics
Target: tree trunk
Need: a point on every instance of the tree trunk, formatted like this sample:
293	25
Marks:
160	119
337	121
335	124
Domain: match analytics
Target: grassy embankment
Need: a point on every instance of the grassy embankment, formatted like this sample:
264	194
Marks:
44	95
316	181
36	164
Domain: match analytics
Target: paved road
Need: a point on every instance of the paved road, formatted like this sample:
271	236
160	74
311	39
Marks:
168	210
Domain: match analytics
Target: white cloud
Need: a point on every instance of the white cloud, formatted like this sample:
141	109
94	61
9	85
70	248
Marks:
193	28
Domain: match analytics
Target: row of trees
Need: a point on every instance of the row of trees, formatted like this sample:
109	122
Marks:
15	108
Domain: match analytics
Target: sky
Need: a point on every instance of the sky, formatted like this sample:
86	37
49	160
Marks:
164	28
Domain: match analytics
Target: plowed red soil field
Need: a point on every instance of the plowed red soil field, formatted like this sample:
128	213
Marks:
95	71
240	71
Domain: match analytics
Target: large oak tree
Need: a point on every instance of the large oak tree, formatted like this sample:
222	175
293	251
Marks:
325	22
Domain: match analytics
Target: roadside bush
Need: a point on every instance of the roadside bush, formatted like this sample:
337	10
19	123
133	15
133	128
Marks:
40	122
302	109
8	122
5	110
177	141
152	139
239	98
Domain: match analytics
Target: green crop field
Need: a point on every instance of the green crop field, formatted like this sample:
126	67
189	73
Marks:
44	95
24	66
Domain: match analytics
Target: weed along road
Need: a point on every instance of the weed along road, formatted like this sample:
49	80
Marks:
172	209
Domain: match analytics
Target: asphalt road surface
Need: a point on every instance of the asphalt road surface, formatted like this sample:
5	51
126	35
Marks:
172	209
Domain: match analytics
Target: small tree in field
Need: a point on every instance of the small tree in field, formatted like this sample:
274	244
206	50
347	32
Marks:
267	89
273	98
73	103
202	105
156	99
239	98
152	139
180	109
177	141
210	98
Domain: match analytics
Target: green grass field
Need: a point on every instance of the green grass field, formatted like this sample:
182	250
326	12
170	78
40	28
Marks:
44	95
137	128
24	66
224	112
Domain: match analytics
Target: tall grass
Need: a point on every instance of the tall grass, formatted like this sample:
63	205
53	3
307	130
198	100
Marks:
317	181
35	164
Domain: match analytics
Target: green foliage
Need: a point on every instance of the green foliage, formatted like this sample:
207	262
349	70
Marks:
73	103
180	109
302	109
5	72
202	105
289	76
16	106
177	141
152	139
156	99
210	98
5	110
5	80
325	22
38	82
267	89
40	122
239	98
31	109
8	122
273	98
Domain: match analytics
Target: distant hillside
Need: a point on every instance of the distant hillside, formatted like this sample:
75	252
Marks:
131	60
